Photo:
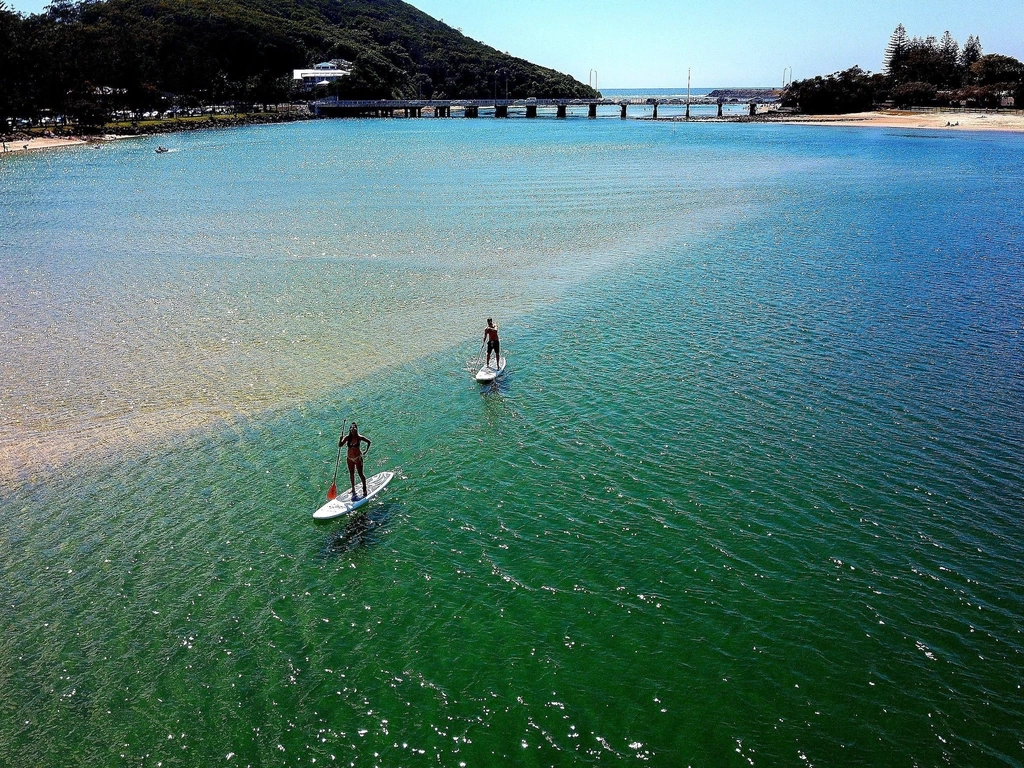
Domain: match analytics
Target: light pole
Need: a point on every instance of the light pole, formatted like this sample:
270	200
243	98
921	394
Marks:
688	93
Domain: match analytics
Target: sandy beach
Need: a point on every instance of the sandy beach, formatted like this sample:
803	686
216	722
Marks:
947	121
40	142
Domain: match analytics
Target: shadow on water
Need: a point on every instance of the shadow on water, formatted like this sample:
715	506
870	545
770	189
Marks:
500	386
362	530
930	135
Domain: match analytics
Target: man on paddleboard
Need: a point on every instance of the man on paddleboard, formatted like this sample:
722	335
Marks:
491	339
355	456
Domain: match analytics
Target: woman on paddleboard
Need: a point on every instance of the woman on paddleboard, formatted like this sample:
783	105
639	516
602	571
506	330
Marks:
491	339
355	456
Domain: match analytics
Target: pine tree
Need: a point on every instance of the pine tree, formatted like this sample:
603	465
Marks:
950	49
971	52
949	52
896	50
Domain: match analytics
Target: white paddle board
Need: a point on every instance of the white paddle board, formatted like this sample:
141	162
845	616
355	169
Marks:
342	504
491	372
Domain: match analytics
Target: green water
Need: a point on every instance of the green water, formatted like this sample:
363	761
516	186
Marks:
749	493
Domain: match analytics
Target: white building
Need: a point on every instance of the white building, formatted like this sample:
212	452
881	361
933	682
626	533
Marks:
323	73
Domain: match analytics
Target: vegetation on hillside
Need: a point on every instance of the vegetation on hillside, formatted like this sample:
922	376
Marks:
90	58
918	72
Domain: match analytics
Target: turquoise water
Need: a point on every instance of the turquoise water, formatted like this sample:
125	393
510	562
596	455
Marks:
750	492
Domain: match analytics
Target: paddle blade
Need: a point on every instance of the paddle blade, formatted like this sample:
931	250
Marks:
332	494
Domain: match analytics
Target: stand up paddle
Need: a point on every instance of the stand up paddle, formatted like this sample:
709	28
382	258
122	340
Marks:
340	504
332	492
345	503
490	372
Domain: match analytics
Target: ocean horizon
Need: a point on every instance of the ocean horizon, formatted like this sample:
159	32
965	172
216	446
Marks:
666	93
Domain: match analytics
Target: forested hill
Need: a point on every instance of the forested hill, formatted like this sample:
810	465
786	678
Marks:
215	50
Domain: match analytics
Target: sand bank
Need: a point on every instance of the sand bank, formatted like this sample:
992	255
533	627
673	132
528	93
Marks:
946	121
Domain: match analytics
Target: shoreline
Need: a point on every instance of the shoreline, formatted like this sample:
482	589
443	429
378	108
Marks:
945	121
19	144
27	142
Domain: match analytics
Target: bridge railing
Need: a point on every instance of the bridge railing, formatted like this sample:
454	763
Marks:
421	103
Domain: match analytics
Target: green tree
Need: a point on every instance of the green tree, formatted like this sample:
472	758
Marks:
852	90
10	66
915	94
87	106
971	52
896	49
373	77
996	70
922	61
949	49
974	96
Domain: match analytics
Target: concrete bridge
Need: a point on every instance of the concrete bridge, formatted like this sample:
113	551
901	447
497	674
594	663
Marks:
333	107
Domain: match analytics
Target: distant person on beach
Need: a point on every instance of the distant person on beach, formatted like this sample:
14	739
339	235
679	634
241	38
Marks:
491	339
355	456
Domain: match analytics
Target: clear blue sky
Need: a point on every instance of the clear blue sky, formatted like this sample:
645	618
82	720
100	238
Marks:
650	43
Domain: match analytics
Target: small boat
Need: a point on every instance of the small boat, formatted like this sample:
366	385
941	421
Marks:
161	150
